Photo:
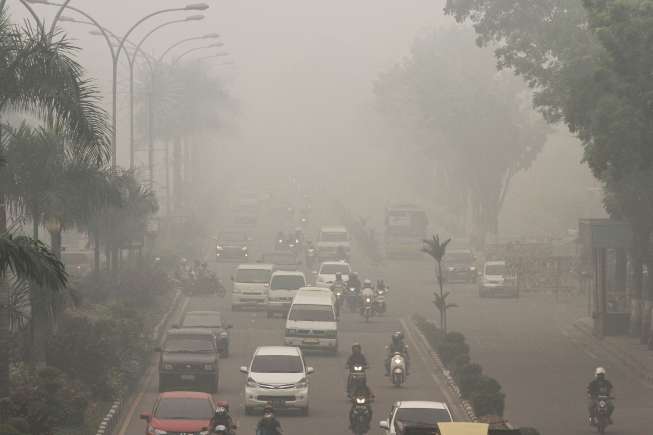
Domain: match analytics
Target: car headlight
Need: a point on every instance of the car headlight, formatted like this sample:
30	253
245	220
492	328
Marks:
472	268
219	248
302	383
167	366
204	432
224	334
251	383
244	248
209	367
451	269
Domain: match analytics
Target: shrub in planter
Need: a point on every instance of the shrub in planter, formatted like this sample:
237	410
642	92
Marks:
452	347
460	362
431	332
468	379
487	398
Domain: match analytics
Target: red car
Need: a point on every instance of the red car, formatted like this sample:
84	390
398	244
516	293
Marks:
180	412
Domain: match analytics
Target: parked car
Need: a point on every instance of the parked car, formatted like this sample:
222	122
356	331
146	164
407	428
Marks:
415	415
497	282
189	360
180	412
283	287
284	260
277	375
211	320
461	266
232	245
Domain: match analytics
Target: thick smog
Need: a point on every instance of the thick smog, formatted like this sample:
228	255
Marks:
417	217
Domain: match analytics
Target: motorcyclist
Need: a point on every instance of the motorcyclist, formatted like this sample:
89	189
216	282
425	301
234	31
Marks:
397	345
222	417
354	281
367	292
339	283
268	425
599	386
281	237
380	285
356	358
361	392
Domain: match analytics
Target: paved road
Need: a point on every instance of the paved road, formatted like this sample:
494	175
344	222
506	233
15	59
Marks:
531	348
329	407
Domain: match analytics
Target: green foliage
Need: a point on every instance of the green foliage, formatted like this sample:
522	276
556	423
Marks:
468	378
435	248
487	397
452	347
45	400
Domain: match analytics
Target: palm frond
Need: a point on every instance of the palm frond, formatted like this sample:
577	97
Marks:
30	260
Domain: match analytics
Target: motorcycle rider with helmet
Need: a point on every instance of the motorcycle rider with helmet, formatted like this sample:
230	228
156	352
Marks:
339	283
268	425
354	281
397	345
361	404
355	359
367	292
599	386
221	417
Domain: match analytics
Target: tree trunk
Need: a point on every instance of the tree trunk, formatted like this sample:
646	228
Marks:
4	337
96	250
636	292
647	305
176	174
39	322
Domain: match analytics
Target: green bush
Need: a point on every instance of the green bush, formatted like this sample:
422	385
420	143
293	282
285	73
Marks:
46	400
487	398
468	378
452	347
460	363
432	333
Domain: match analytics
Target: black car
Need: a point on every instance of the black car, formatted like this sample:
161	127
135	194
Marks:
232	245
461	266
189	361
212	321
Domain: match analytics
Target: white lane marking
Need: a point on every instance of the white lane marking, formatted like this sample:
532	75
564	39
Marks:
429	367
149	374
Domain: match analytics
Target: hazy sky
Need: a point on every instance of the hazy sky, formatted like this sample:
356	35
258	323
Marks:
304	68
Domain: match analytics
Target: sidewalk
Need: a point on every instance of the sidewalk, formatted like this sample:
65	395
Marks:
626	350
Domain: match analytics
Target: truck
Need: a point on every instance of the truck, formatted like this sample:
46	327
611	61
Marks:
406	227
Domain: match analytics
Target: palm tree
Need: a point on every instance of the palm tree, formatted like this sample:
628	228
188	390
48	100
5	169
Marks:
437	251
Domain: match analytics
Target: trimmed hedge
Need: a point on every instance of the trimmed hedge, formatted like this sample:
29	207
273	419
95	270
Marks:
483	392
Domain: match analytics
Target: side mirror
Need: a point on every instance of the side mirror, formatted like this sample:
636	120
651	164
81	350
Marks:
384	424
310	370
146	416
244	370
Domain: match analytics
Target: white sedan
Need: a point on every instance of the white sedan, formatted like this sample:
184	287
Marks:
415	414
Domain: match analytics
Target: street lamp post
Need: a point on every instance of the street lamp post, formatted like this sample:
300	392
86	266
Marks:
187	52
116	55
178	43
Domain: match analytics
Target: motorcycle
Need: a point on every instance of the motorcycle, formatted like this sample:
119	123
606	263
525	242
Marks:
368	308
357	377
352	299
379	301
398	369
601	413
360	416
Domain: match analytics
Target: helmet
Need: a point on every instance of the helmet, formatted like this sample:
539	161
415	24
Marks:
600	372
397	336
367	283
356	347
222	404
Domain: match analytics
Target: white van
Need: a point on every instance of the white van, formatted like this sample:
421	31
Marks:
311	322
330	240
283	287
251	285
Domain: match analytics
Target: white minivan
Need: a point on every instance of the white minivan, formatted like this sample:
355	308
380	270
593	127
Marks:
251	285
311	322
283	287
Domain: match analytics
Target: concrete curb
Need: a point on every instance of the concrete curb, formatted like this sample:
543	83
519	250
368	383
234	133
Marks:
451	383
616	353
111	421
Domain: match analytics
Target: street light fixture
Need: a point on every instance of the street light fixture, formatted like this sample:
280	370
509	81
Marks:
187	52
178	43
115	53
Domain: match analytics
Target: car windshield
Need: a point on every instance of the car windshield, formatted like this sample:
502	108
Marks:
332	269
495	269
253	276
280	259
233	237
420	416
287	282
189	343
333	236
202	320
277	364
459	257
311	313
183	408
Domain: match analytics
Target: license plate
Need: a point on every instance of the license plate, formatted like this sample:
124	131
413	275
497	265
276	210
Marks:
187	377
311	341
278	404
